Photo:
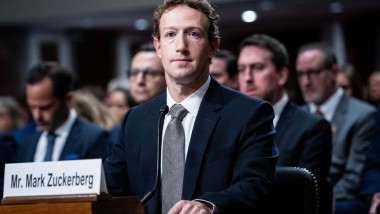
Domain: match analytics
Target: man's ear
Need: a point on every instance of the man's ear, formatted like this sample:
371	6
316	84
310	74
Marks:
157	45
68	99
283	76
213	47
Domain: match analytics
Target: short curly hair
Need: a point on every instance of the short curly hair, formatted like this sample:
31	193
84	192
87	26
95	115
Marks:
201	5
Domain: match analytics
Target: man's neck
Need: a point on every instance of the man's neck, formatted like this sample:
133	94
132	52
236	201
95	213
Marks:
180	92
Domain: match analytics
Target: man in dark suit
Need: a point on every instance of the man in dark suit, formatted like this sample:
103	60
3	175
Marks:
228	137
351	119
8	148
303	139
62	135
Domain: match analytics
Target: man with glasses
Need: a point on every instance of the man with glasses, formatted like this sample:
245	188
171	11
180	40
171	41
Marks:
351	120
146	76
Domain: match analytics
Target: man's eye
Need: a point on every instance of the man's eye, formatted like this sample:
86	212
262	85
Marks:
170	34
194	34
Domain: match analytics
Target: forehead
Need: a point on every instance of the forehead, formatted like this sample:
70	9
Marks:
310	58
145	59
253	54
40	91
183	16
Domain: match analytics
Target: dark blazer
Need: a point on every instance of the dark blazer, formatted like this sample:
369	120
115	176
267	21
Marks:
8	148
371	174
85	141
230	161
304	140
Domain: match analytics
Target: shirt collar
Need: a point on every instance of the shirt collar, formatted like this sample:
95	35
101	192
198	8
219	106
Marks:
279	107
328	108
192	102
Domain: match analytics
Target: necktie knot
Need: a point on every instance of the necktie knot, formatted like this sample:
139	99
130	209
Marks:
178	111
319	113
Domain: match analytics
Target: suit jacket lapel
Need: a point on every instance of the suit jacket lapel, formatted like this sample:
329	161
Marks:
205	122
285	121
70	139
339	116
149	145
32	147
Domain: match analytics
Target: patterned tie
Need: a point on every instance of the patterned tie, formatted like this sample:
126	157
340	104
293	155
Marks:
173	159
50	146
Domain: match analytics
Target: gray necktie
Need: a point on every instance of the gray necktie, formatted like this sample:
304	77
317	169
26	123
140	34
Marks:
173	159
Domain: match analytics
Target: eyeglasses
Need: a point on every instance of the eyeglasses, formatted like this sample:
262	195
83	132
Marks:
310	74
148	73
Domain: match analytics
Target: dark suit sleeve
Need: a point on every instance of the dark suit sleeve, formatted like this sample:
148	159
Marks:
8	149
371	174
101	145
254	167
316	154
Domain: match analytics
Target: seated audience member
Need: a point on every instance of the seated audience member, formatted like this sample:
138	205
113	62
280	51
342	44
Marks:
11	117
63	135
369	198
8	148
146	76
374	88
119	100
223	68
218	152
350	81
89	108
351	119
303	139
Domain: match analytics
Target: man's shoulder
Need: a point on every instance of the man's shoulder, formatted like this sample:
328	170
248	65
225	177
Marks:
359	106
86	127
303	117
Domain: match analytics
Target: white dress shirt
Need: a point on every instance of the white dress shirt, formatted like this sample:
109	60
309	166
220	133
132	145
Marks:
328	108
62	133
278	108
192	104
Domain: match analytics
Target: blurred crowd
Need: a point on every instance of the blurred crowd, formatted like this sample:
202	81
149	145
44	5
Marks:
334	134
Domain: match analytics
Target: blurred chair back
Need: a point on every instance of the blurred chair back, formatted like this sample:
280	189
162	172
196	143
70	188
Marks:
297	191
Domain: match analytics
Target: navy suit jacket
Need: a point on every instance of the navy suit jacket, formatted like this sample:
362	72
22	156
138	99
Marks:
230	161
8	148
371	174
85	141
304	140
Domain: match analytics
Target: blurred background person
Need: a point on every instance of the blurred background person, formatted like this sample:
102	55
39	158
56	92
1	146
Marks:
11	117
146	75
62	134
91	109
351	82
119	100
303	139
351	119
374	88
223	68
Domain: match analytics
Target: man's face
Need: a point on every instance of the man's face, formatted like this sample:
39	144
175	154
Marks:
117	102
183	46
317	83
258	76
47	110
218	69
374	87
147	78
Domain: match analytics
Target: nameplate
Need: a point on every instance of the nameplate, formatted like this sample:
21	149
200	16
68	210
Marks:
54	178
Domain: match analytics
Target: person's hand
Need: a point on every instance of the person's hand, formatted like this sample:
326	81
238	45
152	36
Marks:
375	202
191	207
